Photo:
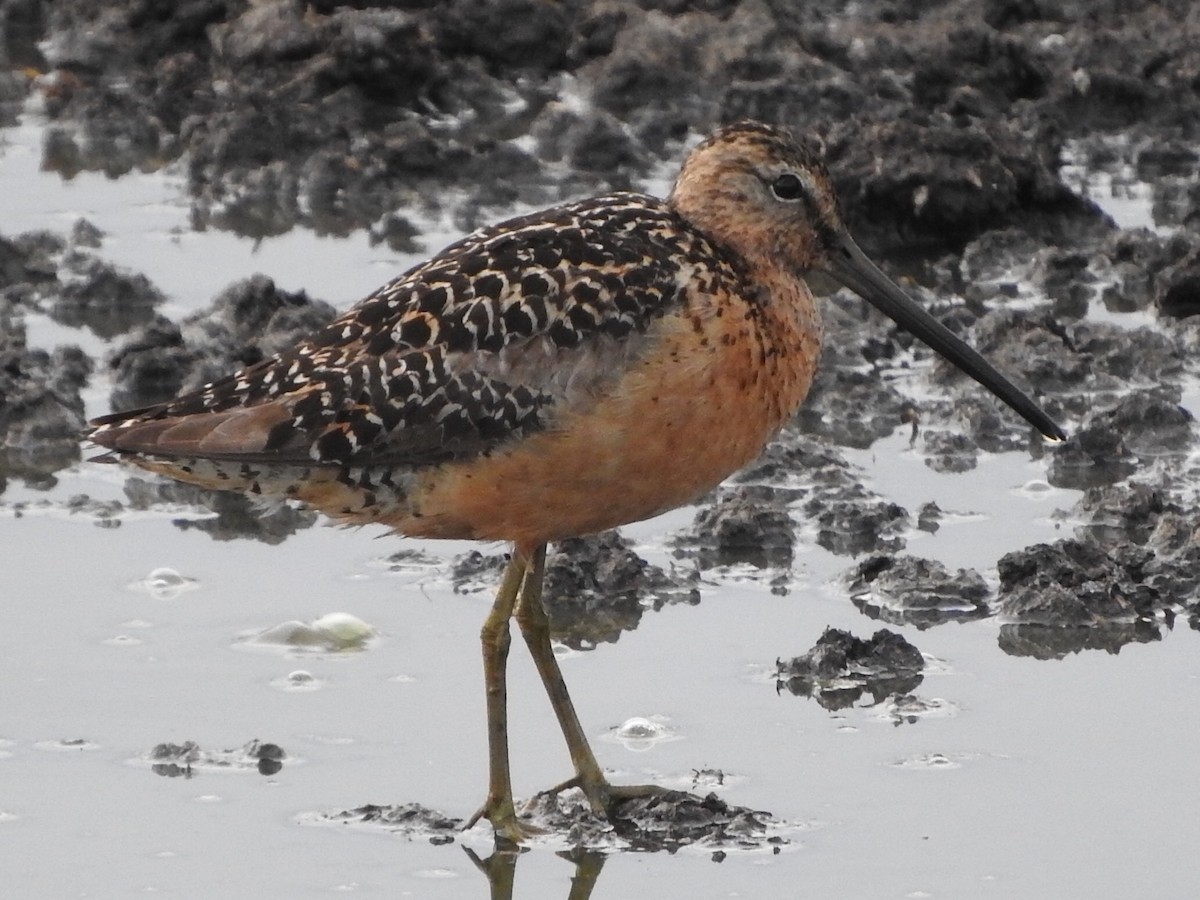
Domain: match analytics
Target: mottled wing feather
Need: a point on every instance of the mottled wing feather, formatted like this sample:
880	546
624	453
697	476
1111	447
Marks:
484	343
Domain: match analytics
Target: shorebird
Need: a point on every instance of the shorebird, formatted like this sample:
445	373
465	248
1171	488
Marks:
556	375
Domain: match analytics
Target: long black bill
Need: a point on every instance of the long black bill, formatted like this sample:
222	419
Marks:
849	265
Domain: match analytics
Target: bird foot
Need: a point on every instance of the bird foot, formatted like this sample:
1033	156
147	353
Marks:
604	797
509	830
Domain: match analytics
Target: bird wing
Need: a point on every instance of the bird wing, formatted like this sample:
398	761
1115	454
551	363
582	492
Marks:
488	341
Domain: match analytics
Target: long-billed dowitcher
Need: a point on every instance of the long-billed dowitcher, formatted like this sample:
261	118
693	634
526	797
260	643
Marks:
558	374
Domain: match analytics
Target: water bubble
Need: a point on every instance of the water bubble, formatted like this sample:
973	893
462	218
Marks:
933	761
123	640
333	632
342	627
165	583
639	733
298	681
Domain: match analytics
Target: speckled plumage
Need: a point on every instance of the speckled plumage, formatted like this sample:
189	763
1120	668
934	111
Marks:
507	334
416	372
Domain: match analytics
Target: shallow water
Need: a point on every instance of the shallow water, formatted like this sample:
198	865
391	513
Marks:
1071	778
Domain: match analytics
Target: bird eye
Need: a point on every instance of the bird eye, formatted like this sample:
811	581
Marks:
787	187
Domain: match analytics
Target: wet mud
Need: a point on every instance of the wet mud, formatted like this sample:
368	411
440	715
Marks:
189	759
336	115
840	669
668	821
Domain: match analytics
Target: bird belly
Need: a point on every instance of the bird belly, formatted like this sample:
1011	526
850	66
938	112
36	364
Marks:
697	407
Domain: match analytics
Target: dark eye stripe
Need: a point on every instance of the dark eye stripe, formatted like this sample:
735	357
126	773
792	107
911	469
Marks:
787	187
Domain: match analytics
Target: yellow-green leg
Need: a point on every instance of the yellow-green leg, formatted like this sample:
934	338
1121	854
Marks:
500	869
494	636
535	628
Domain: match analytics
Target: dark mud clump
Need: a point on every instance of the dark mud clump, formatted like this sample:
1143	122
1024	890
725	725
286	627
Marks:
1124	513
249	321
41	407
189	759
851	526
65	280
1179	293
1144	426
745	525
851	403
334	115
1073	584
1131	569
598	586
908	590
1069	596
41	411
412	820
662	820
103	513
103	298
950	452
149	366
794	456
475	571
1153	423
841	668
1093	456
232	516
